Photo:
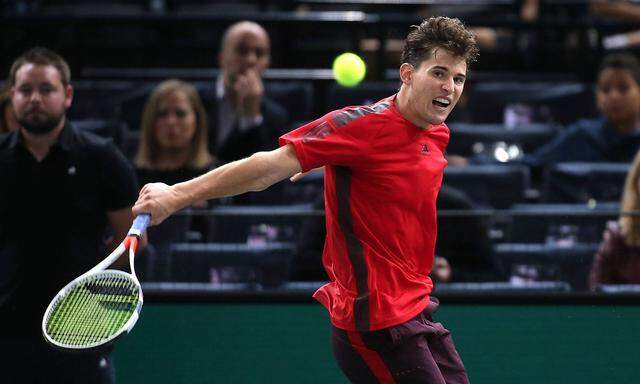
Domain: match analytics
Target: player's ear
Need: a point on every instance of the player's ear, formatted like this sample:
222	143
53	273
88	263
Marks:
406	72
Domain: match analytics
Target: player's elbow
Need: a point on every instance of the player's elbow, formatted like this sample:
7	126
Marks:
271	167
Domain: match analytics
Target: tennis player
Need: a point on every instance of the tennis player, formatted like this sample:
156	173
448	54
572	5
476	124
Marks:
383	169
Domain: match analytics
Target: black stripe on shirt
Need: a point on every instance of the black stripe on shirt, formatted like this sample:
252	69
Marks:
354	248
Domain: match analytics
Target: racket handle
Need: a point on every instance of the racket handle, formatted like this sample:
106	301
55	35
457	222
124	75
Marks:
140	224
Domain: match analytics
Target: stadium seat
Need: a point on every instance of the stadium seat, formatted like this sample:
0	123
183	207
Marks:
110	129
618	289
97	99
582	182
491	186
173	230
262	266
305	190
79	7
546	262
198	7
364	94
559	223
130	143
466	136
549	101
264	223
295	96
501	287
131	104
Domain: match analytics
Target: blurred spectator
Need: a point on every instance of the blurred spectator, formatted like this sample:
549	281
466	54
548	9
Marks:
245	120
463	247
622	10
8	120
62	189
172	149
618	258
619	10
489	38
173	135
615	137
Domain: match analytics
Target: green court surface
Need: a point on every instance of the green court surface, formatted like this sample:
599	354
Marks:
290	343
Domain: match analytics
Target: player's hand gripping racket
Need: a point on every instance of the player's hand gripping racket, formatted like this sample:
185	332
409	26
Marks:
99	306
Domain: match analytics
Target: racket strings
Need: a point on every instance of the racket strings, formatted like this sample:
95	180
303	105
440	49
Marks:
89	317
93	310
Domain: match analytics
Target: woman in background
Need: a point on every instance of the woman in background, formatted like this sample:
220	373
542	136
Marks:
8	120
173	148
173	135
618	258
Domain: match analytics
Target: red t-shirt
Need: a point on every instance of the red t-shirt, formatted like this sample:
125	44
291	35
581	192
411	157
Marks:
382	176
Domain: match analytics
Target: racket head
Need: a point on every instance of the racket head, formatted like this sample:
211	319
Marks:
93	310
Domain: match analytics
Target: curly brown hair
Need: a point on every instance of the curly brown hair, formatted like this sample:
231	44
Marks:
436	33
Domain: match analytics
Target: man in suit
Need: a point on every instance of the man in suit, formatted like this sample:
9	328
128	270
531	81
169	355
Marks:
243	119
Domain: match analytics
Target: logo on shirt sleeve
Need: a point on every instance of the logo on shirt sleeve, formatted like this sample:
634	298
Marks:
320	131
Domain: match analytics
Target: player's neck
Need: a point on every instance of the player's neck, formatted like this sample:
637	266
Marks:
404	108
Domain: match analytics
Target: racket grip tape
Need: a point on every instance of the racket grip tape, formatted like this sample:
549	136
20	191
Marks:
140	224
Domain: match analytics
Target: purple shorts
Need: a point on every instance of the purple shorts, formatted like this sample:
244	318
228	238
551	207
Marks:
417	351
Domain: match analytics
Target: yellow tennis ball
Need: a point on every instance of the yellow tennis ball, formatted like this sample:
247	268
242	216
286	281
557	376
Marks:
349	69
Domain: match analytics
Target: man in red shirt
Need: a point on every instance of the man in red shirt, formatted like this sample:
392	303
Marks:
383	169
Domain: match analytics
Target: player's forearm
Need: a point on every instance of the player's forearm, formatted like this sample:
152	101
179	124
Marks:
254	173
251	174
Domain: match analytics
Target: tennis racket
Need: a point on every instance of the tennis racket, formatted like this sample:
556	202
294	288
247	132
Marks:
102	304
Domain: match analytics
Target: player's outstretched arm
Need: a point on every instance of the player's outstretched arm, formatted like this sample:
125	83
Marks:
255	173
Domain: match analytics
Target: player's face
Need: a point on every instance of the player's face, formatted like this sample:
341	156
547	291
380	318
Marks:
618	96
39	98
247	48
176	121
434	87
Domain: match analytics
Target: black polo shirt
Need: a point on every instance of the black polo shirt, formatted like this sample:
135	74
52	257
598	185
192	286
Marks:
53	217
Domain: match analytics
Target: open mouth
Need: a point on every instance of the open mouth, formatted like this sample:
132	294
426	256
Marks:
441	102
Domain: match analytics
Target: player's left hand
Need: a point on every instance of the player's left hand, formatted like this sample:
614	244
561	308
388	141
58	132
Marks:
300	175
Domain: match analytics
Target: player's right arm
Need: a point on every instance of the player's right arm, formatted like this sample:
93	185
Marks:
252	174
